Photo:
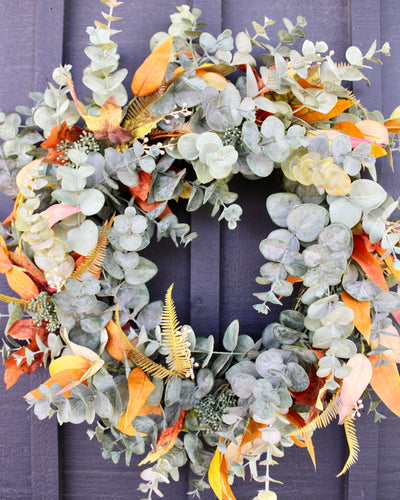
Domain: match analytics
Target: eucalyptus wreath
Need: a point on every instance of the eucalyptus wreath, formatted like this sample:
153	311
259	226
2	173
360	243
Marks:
89	199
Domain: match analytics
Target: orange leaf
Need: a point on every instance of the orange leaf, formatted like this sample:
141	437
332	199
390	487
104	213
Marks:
385	382
354	384
21	283
388	261
118	343
26	329
299	422
349	128
141	190
362	313
21	260
166	440
107	124
63	378
309	115
218	477
5	263
140	387
368	262
148	207
150	74
393	126
147	409
251	432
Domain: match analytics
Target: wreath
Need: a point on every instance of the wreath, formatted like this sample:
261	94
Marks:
89	199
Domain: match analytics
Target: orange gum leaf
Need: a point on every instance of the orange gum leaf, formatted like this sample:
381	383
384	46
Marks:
21	283
354	384
385	382
150	74
362	313
140	387
368	262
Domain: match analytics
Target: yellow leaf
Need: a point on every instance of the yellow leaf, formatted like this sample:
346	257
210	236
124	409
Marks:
218	477
385	382
107	124
140	387
150	74
362	313
354	384
62	378
68	362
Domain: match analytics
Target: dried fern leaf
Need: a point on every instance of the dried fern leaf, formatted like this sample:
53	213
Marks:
354	100
139	119
176	131
179	358
140	359
324	418
352	442
95	259
13	300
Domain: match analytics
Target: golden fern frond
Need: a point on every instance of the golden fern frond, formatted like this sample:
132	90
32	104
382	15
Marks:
352	442
324	418
139	120
179	358
176	131
140	359
354	100
94	260
13	300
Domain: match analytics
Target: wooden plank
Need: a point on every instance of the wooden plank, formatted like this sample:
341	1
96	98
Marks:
44	434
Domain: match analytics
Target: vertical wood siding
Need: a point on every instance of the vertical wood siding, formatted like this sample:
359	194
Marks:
38	460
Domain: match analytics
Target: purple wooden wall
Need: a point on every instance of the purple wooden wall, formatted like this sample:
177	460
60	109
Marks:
38	460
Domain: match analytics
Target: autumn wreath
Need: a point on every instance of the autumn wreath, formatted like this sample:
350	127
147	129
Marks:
88	200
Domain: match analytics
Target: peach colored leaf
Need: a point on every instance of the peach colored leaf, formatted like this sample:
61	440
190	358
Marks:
368	262
374	131
354	384
166	440
150	74
21	283
107	124
385	382
362	313
140	387
59	211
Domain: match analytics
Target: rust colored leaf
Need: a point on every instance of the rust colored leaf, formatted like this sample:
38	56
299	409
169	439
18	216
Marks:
310	395
166	440
107	124
26	329
369	264
140	387
141	190
309	115
385	382
150	74
59	134
148	207
362	313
